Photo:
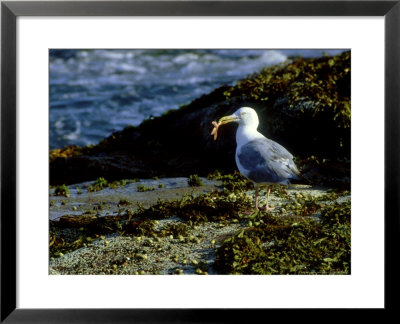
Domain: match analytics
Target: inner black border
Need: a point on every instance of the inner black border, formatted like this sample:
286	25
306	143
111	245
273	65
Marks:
10	10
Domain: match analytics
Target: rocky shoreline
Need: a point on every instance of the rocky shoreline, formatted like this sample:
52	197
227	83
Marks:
134	203
170	244
303	104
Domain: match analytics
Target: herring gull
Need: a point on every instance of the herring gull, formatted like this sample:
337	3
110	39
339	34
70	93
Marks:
259	159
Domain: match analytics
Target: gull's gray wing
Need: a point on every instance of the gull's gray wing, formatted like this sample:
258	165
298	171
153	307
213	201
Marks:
267	161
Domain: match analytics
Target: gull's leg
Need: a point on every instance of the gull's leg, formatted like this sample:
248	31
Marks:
266	206
256	199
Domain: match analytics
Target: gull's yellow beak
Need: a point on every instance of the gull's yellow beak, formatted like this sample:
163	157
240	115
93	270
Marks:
222	121
228	119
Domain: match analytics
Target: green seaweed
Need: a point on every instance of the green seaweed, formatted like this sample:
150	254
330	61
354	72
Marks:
283	246
98	185
62	190
176	230
195	181
143	188
102	183
141	228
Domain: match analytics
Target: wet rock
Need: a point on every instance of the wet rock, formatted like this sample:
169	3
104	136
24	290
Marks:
303	104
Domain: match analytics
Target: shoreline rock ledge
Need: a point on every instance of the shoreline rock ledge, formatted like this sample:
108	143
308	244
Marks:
304	104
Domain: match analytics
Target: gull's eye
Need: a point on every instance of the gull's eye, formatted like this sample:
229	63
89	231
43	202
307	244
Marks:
243	113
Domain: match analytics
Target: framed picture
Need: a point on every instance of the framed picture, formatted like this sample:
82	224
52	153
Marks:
48	47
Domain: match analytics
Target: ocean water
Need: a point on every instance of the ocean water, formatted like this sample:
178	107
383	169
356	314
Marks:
96	92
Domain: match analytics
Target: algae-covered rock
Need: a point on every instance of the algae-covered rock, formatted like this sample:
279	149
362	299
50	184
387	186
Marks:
304	104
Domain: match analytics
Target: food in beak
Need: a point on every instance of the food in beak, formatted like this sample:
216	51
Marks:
215	129
224	120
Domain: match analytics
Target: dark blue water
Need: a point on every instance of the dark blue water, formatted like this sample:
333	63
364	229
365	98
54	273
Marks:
96	92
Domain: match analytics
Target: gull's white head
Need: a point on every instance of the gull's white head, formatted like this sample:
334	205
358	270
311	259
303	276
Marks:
244	116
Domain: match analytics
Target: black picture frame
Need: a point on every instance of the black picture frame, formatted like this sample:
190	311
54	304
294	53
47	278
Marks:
10	10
